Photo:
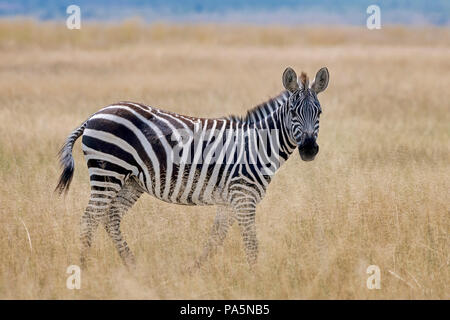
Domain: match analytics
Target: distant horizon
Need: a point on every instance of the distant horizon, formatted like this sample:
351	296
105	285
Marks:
263	12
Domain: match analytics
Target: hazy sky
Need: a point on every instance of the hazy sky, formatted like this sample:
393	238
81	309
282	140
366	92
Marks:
415	12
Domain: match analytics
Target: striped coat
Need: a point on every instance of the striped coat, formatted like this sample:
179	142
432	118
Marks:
131	149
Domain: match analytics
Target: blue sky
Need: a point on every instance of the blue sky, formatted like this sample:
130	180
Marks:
317	12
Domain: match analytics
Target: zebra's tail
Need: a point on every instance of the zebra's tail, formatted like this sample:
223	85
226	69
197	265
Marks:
66	160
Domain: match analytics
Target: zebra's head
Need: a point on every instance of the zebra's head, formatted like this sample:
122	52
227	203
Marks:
304	109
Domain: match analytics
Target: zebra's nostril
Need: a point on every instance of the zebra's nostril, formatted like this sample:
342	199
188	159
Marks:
308	143
308	149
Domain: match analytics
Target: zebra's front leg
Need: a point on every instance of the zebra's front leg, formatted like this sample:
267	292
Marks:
223	221
245	210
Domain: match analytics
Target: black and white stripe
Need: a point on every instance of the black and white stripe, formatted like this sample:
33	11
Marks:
131	148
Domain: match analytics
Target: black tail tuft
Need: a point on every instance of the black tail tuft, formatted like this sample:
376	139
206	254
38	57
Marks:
64	180
66	161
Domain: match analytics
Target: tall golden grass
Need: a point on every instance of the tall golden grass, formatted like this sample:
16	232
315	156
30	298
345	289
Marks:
377	194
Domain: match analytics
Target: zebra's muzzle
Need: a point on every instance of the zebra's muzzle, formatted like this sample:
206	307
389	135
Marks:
308	149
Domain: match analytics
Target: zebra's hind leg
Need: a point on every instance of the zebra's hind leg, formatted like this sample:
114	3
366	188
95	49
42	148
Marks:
125	199
223	221
98	206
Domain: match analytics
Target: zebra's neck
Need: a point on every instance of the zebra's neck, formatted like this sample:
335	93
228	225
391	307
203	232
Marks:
262	110
270	142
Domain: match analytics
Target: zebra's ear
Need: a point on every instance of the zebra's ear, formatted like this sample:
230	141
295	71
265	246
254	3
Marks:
320	82
290	80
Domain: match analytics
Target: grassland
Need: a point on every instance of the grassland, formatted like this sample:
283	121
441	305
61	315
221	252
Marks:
377	194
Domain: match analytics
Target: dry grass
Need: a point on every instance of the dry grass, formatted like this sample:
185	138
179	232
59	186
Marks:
378	192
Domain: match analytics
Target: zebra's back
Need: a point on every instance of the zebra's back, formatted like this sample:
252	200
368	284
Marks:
129	139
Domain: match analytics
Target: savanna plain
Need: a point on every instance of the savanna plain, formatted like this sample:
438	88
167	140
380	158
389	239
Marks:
377	193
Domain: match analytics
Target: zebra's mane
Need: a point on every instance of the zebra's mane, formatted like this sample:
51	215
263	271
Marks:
261	110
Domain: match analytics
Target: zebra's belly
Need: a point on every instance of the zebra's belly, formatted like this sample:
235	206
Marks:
186	186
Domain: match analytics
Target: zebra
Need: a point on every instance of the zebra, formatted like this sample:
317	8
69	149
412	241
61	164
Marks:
131	149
